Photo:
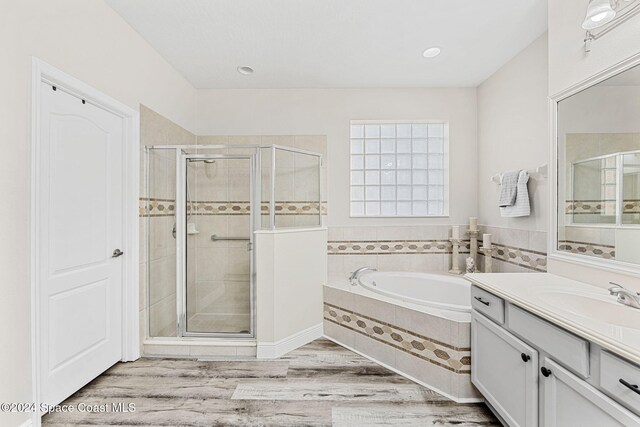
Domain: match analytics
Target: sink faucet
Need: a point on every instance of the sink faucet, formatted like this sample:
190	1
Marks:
353	279
625	296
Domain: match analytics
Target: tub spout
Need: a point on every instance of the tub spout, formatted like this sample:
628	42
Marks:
353	279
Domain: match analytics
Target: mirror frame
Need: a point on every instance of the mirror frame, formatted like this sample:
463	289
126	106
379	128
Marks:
553	254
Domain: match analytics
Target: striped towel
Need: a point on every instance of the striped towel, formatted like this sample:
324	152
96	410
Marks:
509	189
521	206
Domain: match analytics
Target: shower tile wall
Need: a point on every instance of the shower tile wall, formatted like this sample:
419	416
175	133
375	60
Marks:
159	304
219	290
296	186
218	287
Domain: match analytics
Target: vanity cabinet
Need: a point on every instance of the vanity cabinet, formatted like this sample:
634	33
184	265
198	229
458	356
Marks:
533	372
569	401
505	371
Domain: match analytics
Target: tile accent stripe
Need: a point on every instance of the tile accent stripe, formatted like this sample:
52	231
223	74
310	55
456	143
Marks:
598	207
589	207
587	248
166	207
526	258
392	247
156	207
444	355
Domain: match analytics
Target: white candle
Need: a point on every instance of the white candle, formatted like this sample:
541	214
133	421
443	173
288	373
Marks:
455	232
486	240
473	223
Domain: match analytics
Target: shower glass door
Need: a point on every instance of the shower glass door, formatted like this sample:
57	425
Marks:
218	246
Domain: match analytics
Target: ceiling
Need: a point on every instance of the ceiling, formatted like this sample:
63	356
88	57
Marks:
335	43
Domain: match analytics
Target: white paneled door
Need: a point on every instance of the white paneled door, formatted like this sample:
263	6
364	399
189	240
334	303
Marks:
80	223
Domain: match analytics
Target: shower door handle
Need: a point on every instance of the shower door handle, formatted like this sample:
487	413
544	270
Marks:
117	253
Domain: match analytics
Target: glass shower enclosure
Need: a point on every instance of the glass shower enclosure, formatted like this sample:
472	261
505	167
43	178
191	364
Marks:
202	206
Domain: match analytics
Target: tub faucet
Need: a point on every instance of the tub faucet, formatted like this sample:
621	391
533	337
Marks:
625	296
353	279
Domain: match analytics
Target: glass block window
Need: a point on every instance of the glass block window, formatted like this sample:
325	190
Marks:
399	169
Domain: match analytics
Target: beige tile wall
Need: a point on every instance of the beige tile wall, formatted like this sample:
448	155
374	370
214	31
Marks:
158	303
427	249
391	248
515	250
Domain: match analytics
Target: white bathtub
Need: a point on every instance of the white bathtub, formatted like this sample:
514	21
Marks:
439	291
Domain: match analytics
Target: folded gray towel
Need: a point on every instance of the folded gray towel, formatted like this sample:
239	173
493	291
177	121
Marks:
521	207
509	189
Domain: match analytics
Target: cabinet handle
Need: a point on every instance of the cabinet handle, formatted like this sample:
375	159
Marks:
632	387
525	357
481	301
545	372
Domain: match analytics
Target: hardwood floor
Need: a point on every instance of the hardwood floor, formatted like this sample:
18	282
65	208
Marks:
320	384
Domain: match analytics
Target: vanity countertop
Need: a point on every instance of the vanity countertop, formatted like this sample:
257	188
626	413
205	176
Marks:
586	310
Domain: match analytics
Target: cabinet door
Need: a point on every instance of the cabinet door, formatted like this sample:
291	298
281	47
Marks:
505	370
569	401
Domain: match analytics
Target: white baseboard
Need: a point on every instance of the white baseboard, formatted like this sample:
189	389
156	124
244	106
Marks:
409	377
273	350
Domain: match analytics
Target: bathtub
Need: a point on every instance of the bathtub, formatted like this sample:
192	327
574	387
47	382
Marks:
427	289
416	324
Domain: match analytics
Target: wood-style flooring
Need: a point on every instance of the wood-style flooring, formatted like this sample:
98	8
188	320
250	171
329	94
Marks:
320	384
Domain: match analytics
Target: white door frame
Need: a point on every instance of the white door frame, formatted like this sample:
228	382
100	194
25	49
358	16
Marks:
43	72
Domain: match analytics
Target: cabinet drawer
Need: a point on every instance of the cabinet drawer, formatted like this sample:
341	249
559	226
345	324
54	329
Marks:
613	372
487	304
564	347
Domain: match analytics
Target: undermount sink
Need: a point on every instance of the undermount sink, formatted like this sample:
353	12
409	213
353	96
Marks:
596	307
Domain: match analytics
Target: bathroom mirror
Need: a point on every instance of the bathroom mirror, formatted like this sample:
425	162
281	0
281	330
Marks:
598	158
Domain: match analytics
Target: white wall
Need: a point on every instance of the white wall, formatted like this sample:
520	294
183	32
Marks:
291	270
88	40
513	133
568	63
328	112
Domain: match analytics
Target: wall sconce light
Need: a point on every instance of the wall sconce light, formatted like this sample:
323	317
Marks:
605	15
599	12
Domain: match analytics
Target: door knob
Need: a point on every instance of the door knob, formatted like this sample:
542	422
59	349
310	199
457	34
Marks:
525	357
117	253
545	371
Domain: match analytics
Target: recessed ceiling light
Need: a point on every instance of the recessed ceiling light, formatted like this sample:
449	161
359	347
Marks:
244	70
431	52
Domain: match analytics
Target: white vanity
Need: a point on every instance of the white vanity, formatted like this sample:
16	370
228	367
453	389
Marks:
551	351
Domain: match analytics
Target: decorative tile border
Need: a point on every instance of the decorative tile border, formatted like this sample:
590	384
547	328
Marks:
526	258
392	247
598	207
457	360
221	208
155	207
589	207
587	248
631	207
